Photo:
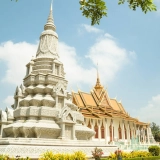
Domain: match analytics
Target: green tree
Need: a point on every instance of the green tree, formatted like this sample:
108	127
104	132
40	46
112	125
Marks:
155	131
96	9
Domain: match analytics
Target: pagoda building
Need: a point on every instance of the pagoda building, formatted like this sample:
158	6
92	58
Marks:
45	116
108	118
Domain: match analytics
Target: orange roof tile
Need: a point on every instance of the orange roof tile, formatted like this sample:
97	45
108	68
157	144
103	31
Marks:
88	99
79	100
122	108
115	105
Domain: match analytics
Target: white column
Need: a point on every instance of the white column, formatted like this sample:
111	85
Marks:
123	134
99	122
148	135
62	136
145	136
99	132
139	132
128	131
112	131
105	131
92	127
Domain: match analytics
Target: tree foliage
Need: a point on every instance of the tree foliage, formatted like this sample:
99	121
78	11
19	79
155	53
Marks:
155	131
96	9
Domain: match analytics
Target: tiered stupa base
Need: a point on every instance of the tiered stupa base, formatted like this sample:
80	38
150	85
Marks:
34	147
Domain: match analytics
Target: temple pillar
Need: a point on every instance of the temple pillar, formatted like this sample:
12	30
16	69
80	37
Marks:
128	132
73	132
112	130
105	131
144	135
62	136
123	134
99	130
148	135
139	134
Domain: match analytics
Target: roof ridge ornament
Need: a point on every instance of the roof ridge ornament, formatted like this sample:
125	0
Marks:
98	84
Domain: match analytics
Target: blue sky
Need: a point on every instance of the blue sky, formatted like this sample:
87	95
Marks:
125	45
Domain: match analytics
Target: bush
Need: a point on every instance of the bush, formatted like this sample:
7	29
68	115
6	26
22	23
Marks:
6	157
63	156
152	158
136	155
154	150
137	158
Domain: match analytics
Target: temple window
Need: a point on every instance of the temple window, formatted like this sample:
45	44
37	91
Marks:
130	133
56	70
125	132
60	103
120	132
110	133
96	130
102	131
113	132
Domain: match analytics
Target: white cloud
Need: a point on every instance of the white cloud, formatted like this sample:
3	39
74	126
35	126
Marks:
89	29
75	73
9	101
109	55
108	35
16	56
151	111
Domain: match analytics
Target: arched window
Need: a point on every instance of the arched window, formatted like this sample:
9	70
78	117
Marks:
125	132
102	131
96	130
110	133
130	133
119	132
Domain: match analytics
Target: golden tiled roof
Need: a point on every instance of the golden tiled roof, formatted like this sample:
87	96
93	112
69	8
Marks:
97	104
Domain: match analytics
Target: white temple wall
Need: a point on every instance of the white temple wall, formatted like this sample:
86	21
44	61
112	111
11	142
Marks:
115	125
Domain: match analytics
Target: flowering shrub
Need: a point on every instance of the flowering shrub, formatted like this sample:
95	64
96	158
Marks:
97	153
49	155
6	157
118	153
126	155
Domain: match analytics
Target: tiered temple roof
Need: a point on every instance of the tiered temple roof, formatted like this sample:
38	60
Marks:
97	104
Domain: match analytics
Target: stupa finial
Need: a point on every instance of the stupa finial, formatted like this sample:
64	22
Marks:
98	84
51	5
50	22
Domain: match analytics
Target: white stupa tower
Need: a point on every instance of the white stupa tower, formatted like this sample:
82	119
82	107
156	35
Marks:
43	107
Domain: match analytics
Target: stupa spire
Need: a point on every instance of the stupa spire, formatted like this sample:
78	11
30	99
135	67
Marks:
48	45
98	84
50	21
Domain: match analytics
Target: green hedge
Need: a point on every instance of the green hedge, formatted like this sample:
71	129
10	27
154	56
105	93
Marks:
138	158
154	150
